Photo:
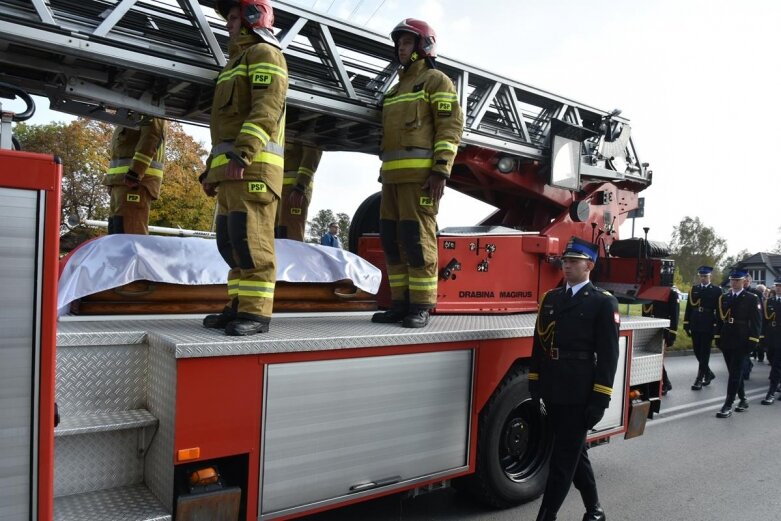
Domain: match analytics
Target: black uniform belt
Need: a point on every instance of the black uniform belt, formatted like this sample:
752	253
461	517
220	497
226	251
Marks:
703	309
557	354
733	321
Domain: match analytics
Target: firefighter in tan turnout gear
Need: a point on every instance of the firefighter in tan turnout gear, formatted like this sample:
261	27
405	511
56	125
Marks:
135	174
301	163
244	169
422	126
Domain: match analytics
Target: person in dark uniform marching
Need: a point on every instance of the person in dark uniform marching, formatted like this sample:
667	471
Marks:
739	320
671	310
574	359
699	321
772	329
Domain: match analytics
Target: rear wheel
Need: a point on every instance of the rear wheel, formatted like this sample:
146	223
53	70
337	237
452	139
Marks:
365	220
513	447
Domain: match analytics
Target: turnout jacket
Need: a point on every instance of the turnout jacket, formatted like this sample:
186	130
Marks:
141	150
248	114
772	322
700	313
575	350
739	321
670	310
422	123
301	162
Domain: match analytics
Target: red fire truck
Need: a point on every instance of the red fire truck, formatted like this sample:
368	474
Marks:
159	418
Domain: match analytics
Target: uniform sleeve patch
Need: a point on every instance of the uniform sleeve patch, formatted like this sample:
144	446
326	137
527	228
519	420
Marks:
261	79
616	317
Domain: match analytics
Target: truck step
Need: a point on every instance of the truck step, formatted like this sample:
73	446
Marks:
104	421
133	503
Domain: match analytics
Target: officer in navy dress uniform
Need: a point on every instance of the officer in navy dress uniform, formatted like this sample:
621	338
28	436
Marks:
574	358
772	329
739	321
699	322
671	310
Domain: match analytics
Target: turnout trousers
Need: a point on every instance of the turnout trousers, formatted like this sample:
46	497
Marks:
569	463
408	231
291	222
129	210
245	238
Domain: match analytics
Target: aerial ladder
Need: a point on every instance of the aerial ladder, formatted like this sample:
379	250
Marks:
550	166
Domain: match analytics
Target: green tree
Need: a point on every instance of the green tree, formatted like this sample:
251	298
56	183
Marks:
82	146
694	244
182	203
732	260
318	226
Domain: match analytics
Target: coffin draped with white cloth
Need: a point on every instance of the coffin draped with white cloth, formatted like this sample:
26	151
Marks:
145	274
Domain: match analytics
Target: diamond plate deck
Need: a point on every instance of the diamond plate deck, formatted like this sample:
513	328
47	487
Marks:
186	338
133	503
104	421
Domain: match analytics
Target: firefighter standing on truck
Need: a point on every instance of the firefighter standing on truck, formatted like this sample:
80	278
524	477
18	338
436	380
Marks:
574	361
301	163
244	169
135	174
422	124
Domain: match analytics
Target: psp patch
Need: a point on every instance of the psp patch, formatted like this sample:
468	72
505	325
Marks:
426	201
133	198
256	187
261	79
295	211
444	108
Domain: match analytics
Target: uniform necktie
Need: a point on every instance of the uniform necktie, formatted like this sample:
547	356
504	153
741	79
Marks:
569	293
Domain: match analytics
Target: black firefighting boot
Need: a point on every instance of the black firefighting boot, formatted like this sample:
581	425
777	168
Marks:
247	324
220	320
769	399
417	316
396	313
545	514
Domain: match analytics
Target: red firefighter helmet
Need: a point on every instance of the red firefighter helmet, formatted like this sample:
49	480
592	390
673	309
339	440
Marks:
255	14
425	35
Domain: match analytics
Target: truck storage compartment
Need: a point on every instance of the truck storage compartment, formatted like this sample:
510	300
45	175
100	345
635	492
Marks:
335	429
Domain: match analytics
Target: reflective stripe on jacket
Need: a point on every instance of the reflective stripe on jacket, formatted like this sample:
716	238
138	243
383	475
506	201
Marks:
422	124
141	150
301	162
248	113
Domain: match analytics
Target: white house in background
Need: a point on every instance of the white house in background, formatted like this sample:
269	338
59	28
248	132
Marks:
763	267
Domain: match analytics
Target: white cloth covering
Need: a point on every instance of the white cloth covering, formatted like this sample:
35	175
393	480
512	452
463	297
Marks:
115	260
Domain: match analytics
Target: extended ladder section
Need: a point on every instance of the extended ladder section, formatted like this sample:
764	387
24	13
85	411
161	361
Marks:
104	58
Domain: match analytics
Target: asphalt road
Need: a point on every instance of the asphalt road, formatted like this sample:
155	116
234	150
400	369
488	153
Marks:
689	465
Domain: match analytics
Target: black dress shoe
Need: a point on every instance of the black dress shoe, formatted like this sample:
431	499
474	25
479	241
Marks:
395	314
594	514
697	385
725	412
247	324
769	399
742	405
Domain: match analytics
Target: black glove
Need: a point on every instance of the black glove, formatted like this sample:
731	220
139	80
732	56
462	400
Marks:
594	413
132	179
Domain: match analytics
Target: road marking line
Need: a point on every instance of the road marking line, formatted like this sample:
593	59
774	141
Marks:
664	419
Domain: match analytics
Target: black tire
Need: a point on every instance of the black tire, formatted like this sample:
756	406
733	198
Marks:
365	220
513	447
